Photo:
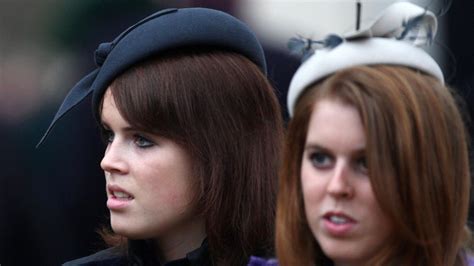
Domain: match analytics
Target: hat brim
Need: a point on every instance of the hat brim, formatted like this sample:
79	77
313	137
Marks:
370	51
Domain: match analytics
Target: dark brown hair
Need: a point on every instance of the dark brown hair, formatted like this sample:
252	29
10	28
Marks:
221	108
417	156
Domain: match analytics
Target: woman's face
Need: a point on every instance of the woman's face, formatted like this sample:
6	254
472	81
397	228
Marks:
150	182
340	205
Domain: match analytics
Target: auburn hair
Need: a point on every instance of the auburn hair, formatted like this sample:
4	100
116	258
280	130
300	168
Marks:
417	157
221	108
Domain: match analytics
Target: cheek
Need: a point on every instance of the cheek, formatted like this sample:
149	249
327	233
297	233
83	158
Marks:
179	196
311	179
168	191
165	177
369	200
312	189
172	189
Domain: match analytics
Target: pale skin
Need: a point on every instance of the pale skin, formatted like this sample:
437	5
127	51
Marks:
150	187
342	211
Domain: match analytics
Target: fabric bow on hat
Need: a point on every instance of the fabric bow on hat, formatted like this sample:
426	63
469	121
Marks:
393	38
401	21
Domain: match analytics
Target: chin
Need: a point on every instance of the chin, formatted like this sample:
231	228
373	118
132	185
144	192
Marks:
344	256
126	229
341	251
129	232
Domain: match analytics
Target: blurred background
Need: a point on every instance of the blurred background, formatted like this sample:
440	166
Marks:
52	199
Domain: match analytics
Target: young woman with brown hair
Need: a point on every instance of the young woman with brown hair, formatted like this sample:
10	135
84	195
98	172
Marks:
376	172
193	132
375	167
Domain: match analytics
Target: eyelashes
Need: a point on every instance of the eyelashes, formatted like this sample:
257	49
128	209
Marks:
138	139
361	165
107	135
322	160
142	142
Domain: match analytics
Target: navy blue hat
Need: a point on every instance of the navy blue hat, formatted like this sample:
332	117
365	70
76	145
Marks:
162	31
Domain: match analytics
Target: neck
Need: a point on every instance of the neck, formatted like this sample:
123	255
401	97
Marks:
176	244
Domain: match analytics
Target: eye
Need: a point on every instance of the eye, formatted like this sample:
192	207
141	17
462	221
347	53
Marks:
107	135
142	142
320	160
361	165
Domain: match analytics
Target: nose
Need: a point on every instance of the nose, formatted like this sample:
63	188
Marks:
114	159
340	184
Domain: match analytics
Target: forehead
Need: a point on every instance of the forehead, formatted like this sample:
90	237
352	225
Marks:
108	102
334	123
109	113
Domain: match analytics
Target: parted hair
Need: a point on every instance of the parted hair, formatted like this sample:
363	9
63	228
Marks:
417	158
221	108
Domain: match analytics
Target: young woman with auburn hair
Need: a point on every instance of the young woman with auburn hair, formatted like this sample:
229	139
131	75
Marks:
375	167
417	162
193	131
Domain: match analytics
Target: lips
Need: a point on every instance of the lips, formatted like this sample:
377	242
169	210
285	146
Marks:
338	224
118	192
121	195
118	198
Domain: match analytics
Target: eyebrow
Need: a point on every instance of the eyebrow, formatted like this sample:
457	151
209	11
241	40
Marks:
125	129
315	146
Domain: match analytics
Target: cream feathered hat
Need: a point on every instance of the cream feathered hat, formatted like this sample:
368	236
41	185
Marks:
394	38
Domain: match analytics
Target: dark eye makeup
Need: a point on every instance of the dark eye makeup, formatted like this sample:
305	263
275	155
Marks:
106	134
142	141
139	139
321	159
361	164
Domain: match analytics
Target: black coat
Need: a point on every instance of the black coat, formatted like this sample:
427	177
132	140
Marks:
140	255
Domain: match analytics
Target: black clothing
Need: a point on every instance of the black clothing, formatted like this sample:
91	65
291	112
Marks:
140	255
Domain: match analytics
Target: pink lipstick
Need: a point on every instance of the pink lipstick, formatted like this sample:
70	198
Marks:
118	198
338	224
